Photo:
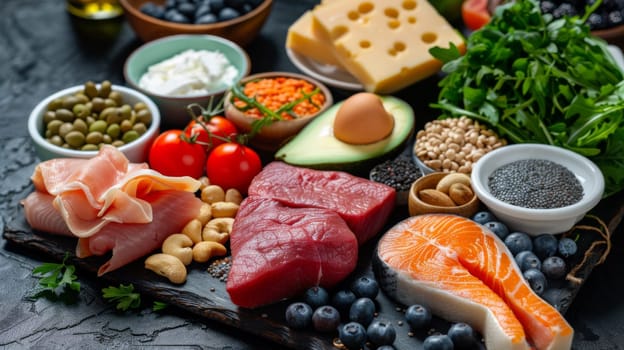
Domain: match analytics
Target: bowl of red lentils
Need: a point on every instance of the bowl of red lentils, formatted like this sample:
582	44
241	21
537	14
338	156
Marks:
537	188
272	107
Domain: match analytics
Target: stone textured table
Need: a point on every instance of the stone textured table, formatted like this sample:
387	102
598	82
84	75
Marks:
43	50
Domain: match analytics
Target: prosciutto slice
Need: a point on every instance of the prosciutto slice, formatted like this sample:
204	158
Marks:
110	204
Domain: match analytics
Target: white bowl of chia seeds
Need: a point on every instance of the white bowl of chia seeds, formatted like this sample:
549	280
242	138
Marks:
537	188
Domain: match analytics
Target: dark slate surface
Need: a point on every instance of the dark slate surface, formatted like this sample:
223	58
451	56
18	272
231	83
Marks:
43	50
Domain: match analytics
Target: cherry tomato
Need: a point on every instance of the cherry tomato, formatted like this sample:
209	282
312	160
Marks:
217	125
475	13
172	155
232	165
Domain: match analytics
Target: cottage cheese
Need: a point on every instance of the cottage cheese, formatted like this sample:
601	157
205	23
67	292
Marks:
190	73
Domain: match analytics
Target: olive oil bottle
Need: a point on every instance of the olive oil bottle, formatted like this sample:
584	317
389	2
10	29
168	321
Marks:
94	9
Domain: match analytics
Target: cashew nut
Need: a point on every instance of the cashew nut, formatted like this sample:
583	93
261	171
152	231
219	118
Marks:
180	246
218	230
205	213
224	209
204	251
193	229
232	195
212	194
168	266
203	182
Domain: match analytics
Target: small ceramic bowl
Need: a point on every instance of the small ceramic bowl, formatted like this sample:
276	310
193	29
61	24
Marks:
136	151
174	108
241	30
272	136
538	221
417	206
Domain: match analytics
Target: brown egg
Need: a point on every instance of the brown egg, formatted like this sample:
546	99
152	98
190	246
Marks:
362	119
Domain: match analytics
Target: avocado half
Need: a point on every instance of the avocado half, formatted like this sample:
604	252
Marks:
316	147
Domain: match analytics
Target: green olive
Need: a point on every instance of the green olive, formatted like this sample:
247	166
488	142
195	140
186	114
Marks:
125	111
139	128
110	114
113	131
90	89
105	89
107	139
108	102
125	125
75	138
54	126
130	136
69	102
81	110
140	106
64	115
144	116
117	143
98	104
55	104
49	116
90	120
89	147
56	140
94	137
82	98
116	96
65	128
81	125
98	125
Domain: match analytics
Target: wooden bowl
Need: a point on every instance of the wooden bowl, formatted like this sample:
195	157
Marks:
272	136
241	30
416	206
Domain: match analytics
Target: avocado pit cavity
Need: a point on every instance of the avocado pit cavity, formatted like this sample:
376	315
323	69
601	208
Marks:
362	119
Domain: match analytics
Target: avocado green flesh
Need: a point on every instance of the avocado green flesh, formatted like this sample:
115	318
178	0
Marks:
316	147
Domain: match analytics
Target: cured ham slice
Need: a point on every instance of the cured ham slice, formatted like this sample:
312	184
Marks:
111	205
365	205
90	193
279	251
463	272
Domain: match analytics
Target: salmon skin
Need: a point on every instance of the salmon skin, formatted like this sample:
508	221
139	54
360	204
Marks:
465	273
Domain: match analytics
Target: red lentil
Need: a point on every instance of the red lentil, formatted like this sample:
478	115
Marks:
273	93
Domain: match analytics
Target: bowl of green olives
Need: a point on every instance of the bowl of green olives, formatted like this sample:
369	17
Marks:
75	122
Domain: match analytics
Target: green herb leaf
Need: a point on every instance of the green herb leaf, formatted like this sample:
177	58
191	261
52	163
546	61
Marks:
159	306
124	296
57	281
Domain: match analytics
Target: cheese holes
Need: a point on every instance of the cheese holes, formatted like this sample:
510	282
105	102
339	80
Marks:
391	12
429	37
394	24
397	48
365	44
353	15
411	20
409	4
365	7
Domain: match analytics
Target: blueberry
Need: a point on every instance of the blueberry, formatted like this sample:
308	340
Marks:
365	287
342	301
545	245
536	279
559	298
462	335
498	228
228	13
554	267
151	9
528	260
202	10
386	347
352	335
518	241
187	9
170	4
567	247
381	333
316	296
237	4
362	311
326	319
174	15
299	315
217	5
483	216
438	342
207	19
418	316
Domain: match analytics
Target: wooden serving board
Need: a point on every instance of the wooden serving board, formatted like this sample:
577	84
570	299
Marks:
205	296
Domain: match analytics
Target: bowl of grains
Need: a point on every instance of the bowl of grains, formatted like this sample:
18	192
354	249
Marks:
272	107
537	188
453	145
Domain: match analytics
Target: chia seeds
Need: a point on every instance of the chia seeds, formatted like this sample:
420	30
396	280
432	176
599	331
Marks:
220	268
535	184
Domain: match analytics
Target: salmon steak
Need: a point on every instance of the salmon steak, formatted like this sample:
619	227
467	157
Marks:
464	273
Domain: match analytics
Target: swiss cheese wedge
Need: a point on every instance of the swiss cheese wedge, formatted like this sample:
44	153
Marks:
384	43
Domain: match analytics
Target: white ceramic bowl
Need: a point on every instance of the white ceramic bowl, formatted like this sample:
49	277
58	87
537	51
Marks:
537	221
173	108
136	151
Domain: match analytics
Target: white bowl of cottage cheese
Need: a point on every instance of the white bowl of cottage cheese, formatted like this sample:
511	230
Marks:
181	70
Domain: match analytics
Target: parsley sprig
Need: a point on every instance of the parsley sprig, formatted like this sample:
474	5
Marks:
124	296
57	281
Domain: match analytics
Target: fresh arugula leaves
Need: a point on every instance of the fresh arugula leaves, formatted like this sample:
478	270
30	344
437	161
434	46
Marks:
536	79
57	281
124	296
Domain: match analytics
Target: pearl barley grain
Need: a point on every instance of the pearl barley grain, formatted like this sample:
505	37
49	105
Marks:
535	184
